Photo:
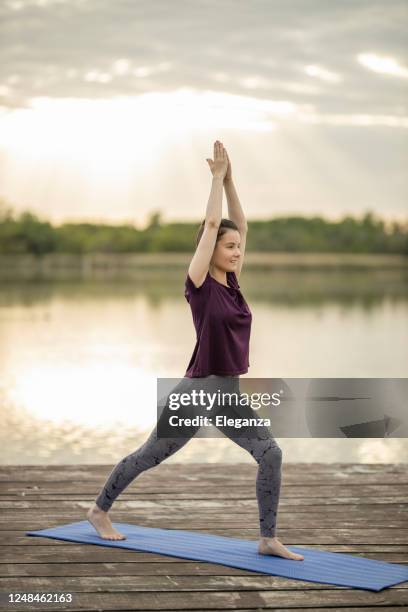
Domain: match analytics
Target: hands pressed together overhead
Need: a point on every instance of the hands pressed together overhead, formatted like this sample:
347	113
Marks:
220	166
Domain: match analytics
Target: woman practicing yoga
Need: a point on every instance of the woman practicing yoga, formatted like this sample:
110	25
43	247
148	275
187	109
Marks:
222	321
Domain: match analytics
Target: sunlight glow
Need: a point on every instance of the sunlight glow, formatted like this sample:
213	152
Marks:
386	65
110	134
120	137
98	151
96	394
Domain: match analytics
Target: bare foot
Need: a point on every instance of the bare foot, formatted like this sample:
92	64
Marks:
102	523
273	546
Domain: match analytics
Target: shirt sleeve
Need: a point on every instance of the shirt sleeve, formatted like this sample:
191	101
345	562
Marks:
192	290
233	280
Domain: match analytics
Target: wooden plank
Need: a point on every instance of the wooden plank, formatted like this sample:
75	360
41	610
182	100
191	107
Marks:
173	583
207	508
231	600
149	565
40	520
155	475
211	506
302	520
195	471
368	493
242	506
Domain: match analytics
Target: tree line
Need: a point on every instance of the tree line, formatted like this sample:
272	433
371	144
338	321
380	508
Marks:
27	233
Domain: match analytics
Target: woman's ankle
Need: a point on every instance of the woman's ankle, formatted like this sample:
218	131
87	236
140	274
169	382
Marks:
96	508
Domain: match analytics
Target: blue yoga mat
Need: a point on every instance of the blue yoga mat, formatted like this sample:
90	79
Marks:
318	566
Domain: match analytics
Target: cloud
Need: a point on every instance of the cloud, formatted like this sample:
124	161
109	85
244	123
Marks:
102	49
385	65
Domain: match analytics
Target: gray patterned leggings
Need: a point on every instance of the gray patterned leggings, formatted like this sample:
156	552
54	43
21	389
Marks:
257	440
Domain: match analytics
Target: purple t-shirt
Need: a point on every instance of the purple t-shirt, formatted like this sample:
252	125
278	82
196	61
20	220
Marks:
222	320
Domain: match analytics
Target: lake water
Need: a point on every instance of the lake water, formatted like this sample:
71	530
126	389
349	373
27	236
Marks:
77	357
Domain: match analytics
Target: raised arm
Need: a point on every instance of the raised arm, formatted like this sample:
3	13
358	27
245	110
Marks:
200	262
235	213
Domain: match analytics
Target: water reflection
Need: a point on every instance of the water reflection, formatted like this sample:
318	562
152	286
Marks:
79	361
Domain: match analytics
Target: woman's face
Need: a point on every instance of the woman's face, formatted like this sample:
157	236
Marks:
227	251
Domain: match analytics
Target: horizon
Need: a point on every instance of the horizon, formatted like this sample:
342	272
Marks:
388	222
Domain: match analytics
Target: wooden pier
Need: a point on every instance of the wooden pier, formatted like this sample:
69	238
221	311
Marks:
361	509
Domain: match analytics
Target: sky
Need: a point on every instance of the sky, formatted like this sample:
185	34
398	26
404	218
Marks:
109	109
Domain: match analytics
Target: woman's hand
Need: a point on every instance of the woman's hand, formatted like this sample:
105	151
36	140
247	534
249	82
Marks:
228	175
219	165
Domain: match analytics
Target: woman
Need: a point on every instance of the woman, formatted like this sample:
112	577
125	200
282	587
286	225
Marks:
222	320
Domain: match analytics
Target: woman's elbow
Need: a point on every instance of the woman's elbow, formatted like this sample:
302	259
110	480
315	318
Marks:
212	222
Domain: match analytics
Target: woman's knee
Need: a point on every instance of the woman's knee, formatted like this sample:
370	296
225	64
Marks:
273	456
